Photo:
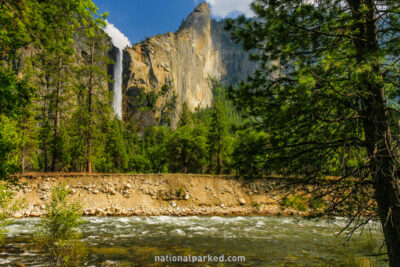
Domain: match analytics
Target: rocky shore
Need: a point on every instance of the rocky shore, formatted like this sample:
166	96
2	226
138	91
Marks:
155	194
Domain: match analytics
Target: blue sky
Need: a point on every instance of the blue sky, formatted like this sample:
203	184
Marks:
138	19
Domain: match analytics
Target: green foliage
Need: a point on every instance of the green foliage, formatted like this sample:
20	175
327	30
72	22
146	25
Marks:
249	153
59	235
155	146
180	192
217	138
326	93
256	205
140	164
10	140
165	89
15	94
115	148
38	45
296	202
185	117
306	94
187	148
221	95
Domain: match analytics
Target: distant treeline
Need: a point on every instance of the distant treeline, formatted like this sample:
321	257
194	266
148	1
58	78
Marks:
212	140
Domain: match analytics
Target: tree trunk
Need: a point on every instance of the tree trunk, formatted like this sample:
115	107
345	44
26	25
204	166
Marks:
219	158
90	130
23	157
383	170
55	158
377	129
46	164
46	116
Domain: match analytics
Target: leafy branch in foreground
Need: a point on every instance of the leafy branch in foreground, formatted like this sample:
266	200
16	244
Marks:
326	93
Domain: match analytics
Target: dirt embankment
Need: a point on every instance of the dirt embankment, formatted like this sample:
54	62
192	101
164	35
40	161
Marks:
154	194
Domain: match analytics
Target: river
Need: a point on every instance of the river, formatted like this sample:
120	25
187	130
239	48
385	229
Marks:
263	241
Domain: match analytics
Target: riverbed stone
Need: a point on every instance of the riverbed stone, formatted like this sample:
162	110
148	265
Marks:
242	201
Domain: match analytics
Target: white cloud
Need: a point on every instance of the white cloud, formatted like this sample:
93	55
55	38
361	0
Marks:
223	8
118	38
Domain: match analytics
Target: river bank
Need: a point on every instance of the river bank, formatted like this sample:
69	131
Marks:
155	195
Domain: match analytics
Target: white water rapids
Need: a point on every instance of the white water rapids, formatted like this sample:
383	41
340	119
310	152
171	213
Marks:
264	241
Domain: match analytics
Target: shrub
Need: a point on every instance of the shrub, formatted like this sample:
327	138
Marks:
180	192
59	233
296	202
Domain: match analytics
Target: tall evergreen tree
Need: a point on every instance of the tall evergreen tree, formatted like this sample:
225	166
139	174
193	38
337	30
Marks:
217	137
155	140
96	93
132	143
324	92
187	149
185	117
115	149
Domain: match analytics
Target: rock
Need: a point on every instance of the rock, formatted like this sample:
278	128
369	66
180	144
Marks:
173	204
183	61
187	196
99	211
96	191
242	201
107	263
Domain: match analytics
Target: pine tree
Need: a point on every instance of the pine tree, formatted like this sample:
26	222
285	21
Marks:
216	137
132	143
326	92
96	93
187	149
185	117
115	149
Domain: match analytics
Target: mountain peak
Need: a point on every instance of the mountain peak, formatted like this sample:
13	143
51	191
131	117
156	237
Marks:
199	19
202	7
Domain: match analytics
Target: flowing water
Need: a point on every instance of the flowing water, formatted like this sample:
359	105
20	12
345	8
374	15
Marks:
120	41
117	88
264	241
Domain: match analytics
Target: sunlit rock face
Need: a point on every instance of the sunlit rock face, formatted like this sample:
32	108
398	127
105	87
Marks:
164	71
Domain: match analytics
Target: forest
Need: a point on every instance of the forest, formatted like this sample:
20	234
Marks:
323	103
58	117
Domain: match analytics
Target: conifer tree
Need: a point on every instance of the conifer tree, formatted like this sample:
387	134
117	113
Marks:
185	117
115	149
326	92
216	137
96	93
187	148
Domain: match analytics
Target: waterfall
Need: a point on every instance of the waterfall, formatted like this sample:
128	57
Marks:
117	88
120	41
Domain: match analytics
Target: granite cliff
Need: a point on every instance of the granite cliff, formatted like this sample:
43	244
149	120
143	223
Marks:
167	70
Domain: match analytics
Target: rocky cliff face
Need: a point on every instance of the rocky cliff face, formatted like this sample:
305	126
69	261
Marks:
167	70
